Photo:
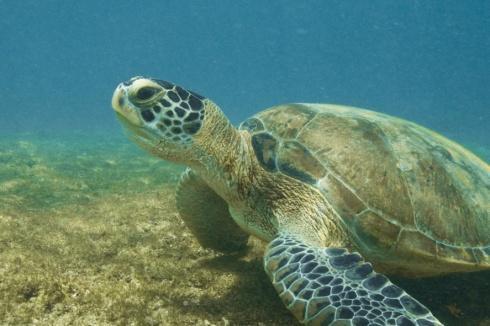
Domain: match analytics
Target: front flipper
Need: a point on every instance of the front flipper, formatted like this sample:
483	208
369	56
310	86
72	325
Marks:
206	215
330	286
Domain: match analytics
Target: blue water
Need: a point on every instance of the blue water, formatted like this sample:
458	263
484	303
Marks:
427	61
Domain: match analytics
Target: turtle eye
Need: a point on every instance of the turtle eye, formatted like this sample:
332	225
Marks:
145	93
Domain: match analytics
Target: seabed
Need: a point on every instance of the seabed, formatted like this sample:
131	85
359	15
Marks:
89	235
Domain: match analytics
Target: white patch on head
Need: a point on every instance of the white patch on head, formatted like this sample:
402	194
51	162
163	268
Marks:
125	108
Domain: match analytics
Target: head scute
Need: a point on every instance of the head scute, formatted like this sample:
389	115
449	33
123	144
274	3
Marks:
180	112
165	110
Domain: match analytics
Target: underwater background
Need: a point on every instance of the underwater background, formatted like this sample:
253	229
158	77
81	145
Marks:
89	232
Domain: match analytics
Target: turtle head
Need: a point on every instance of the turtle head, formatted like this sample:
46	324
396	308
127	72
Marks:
161	117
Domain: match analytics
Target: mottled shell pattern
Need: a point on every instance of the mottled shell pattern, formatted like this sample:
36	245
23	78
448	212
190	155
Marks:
400	190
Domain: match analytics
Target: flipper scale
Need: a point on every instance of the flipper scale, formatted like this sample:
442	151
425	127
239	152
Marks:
332	286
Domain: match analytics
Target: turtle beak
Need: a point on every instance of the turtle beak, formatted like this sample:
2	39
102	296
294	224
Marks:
123	106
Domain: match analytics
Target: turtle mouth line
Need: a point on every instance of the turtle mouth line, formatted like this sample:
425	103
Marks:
136	132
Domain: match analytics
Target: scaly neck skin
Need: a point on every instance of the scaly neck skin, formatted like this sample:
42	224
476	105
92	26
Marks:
224	158
262	203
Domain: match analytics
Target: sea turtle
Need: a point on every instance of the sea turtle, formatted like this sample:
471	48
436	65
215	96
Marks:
333	190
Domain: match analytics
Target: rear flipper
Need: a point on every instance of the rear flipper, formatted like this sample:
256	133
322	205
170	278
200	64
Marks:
331	286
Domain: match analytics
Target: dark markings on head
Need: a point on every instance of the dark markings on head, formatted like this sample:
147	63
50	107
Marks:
178	114
195	103
165	103
192	116
176	130
173	96
180	111
147	115
164	84
183	94
161	127
199	97
265	147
